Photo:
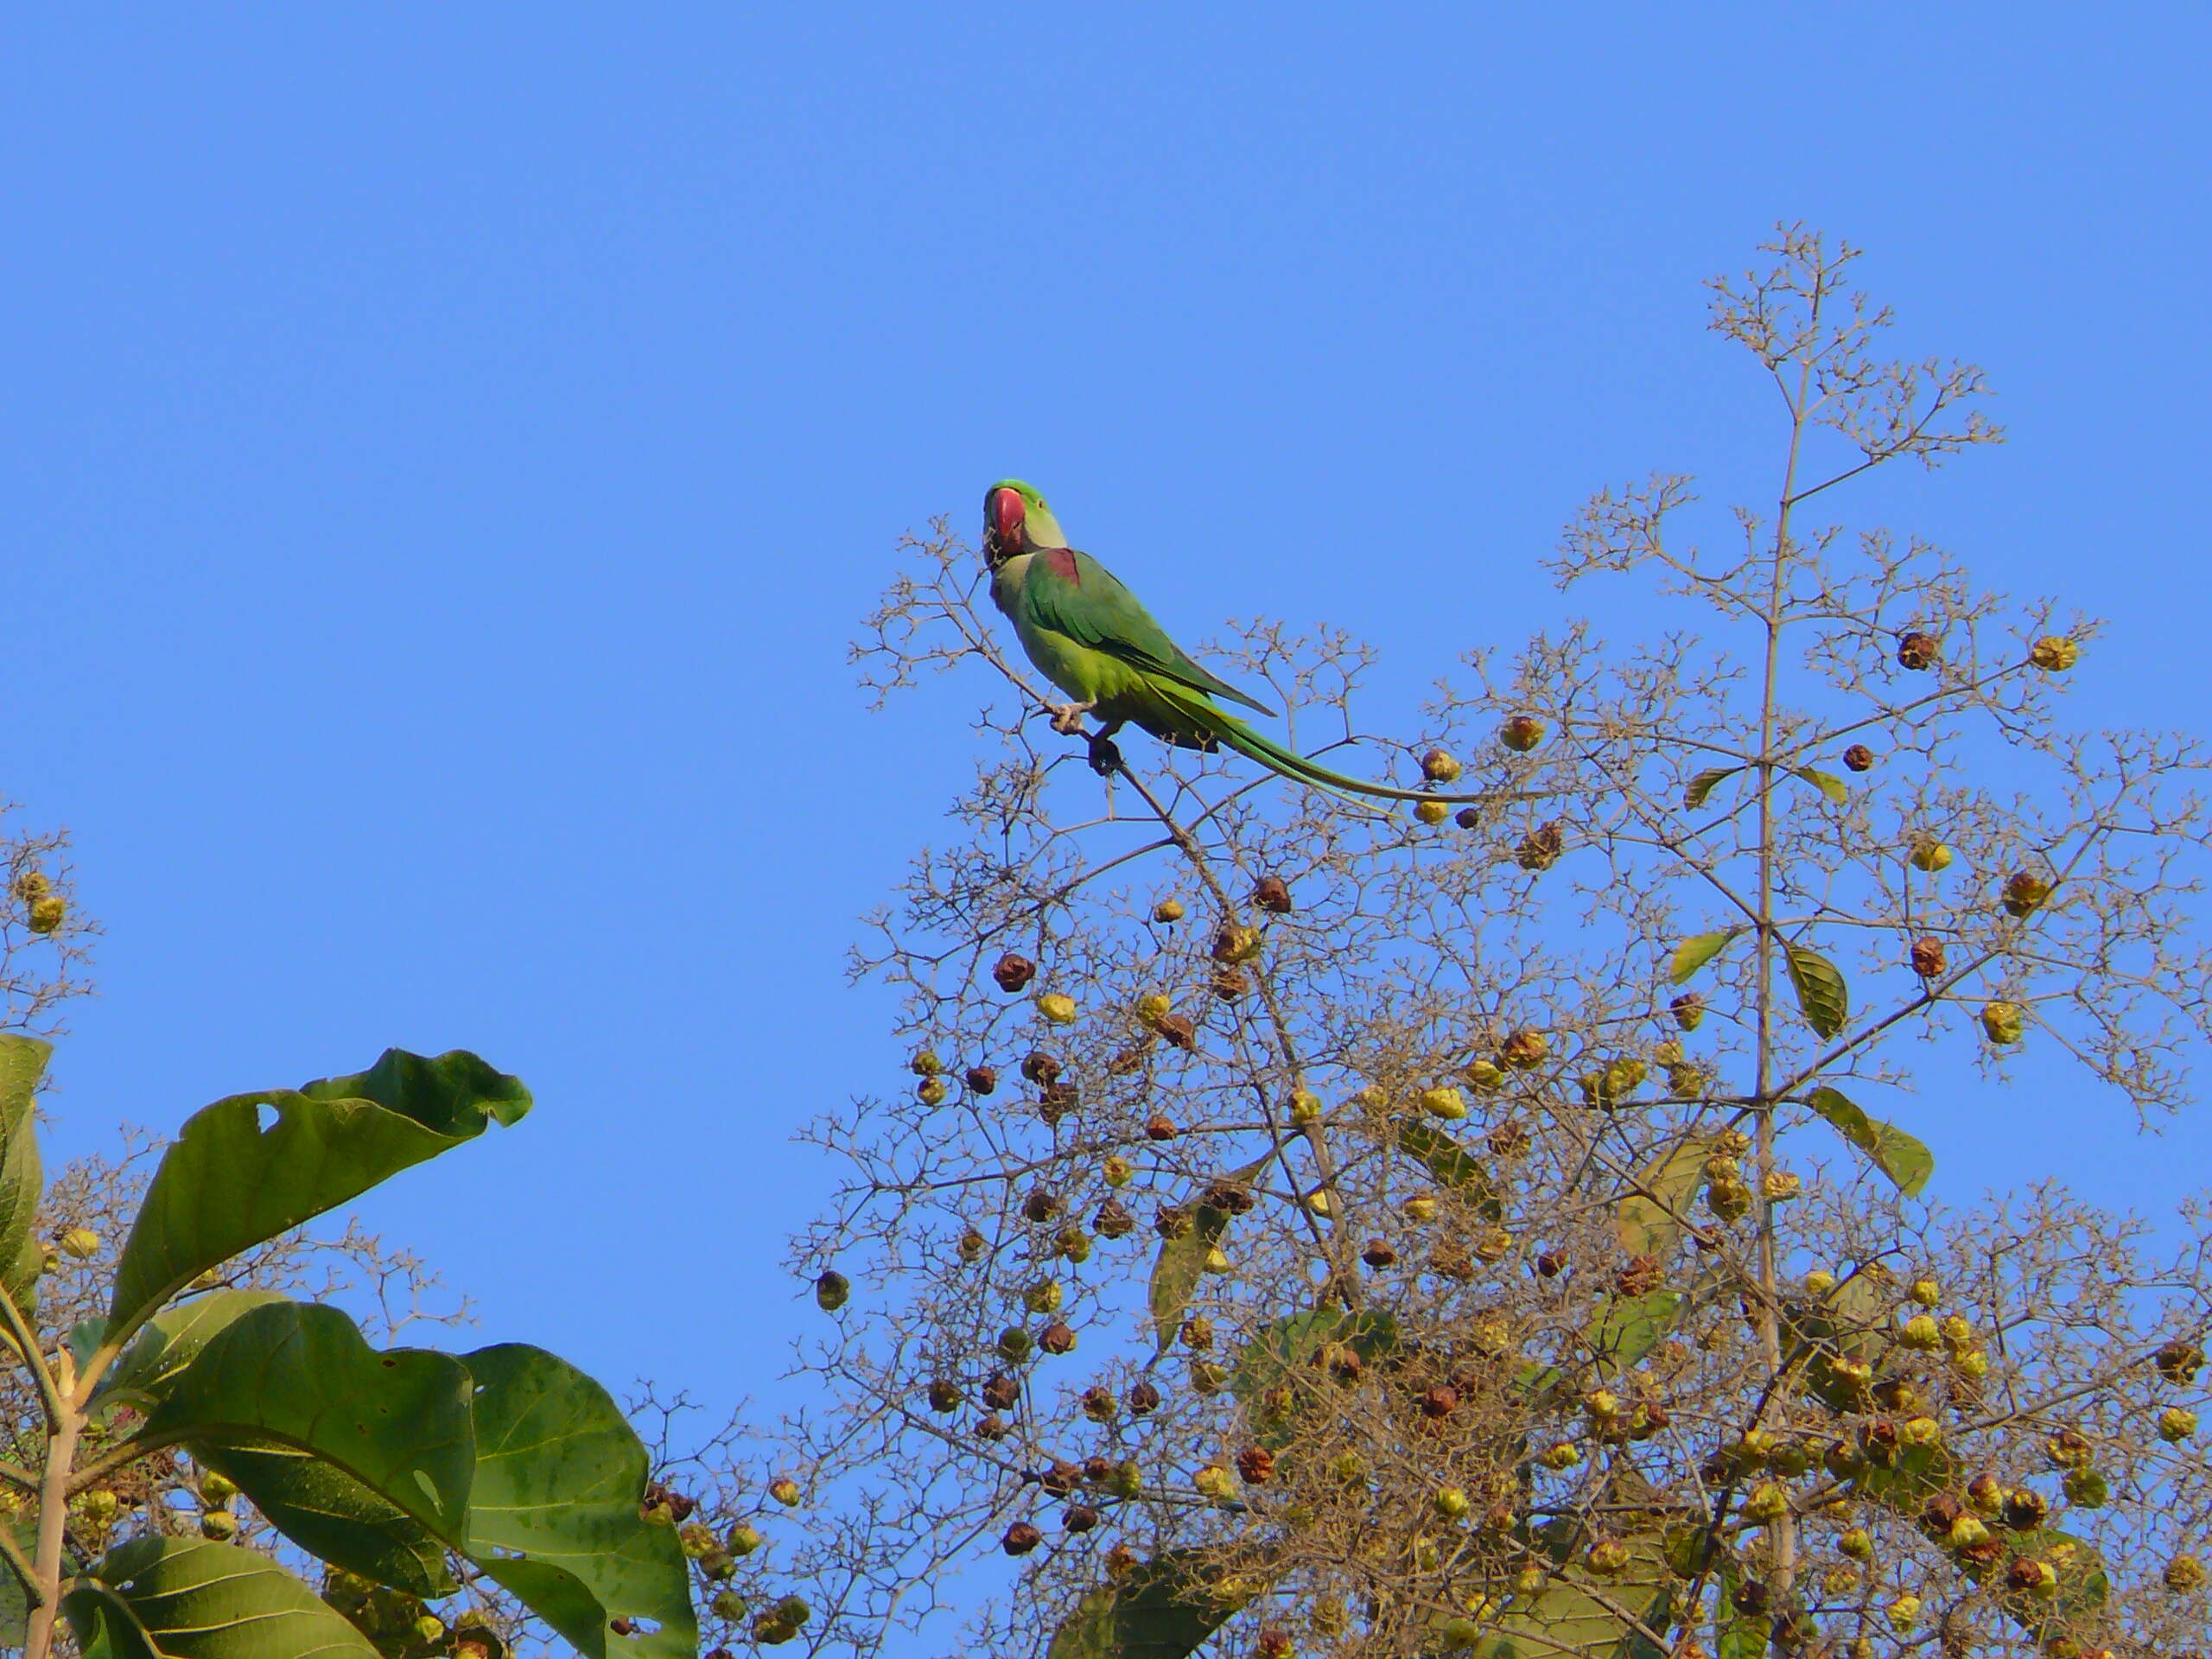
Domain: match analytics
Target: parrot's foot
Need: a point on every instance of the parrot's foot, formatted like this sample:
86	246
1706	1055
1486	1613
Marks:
1067	717
1105	754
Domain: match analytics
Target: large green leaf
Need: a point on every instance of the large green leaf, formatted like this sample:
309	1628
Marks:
230	1183
1827	783
398	1421
1450	1163
1161	1609
1629	1327
1698	788
1176	1269
1650	1220
170	1341
1695	951
23	1061
15	1599
1906	1161
1580	1614
186	1598
333	1517
553	1514
1283	1352
1821	993
2082	1585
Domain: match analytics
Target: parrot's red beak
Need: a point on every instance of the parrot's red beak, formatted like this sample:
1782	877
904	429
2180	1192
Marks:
1003	535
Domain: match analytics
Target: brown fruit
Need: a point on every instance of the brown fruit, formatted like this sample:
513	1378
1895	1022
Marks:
1159	1127
1540	849
1042	1204
2179	1362
1256	1464
1927	960
1058	1478
1378	1253
1178	1030
945	1395
1113	1220
1508	1140
1524	1051
1689	1010
1233	944
981	1079
1056	1338
1143	1398
1440	1401
1640	1275
1916	651
1550	1263
1273	895
1021	1538
1079	1518
1000	1393
1858	757
993	1428
2025	894
1230	983
1232	1198
1013	972
1038	1067
1440	767
1467	817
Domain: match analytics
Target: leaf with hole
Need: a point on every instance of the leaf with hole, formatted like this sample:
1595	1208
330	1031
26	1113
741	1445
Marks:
1822	994
248	1168
1906	1161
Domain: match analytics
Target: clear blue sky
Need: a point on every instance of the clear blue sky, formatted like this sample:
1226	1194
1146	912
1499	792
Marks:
446	450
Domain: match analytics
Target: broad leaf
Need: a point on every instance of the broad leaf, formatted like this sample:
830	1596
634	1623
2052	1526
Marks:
1695	951
1452	1164
1283	1352
1698	788
333	1517
1631	1326
1577	1612
230	1183
1650	1220
158	1598
23	1061
553	1514
1821	990
1176	1269
171	1340
1162	1609
1827	783
398	1421
1896	1154
15	1601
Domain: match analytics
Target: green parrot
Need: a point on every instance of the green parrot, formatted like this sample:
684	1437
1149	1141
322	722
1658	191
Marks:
1090	636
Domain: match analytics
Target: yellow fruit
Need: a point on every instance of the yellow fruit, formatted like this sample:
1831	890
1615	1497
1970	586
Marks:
1927	1292
1305	1108
1521	734
1116	1170
1444	1103
2176	1425
1057	1006
2054	655
1419	1208
785	1491
2184	1573
1440	767
80	1242
1451	1502
1903	1612
1820	1282
1930	856
1432	812
1920	1332
1168	909
2004	1022
1214	1481
47	914
1152	1008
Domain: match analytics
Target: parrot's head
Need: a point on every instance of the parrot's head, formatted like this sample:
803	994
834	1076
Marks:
1016	521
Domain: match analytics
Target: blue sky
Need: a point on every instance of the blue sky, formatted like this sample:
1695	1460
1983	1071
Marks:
447	449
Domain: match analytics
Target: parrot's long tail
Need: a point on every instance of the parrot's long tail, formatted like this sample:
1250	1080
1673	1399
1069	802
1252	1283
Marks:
1207	716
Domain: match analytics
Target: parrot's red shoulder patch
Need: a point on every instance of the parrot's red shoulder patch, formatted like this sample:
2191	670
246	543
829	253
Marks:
1060	561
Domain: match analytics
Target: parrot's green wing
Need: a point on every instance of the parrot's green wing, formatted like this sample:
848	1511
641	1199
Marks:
1073	593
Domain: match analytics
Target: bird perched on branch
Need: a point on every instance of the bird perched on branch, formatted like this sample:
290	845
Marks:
1091	637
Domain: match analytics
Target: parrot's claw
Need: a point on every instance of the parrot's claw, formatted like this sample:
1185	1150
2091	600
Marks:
1067	717
1105	755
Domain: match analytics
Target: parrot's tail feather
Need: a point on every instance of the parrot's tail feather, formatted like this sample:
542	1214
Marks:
1205	715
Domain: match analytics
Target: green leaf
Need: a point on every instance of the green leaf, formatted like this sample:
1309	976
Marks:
1452	1164
23	1061
1827	783
1698	788
397	1421
1176	1269
1746	1635
15	1600
1162	1609
1695	951
158	1598
2082	1585
170	1341
1905	1161
1821	993
1631	1326
229	1184
333	1517
1647	1223
1283	1351
1590	1618
553	1514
